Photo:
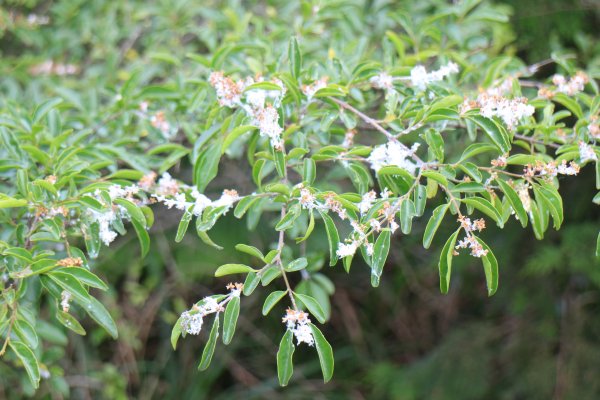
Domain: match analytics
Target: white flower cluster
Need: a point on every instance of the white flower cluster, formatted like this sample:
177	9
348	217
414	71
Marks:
309	201
367	201
310	90
191	320
510	111
347	249
586	152
572	86
167	191
382	81
420	78
297	322
393	153
551	169
522	190
50	67
263	115
106	218
359	237
470	241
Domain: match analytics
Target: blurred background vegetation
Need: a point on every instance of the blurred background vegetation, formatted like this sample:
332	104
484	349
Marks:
537	338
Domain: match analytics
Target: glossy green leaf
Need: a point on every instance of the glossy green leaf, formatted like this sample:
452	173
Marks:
285	366
434	224
445	264
272	299
313	306
232	312
29	360
209	348
229	269
325	353
333	237
380	254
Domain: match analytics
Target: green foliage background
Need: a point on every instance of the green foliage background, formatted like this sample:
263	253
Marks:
538	337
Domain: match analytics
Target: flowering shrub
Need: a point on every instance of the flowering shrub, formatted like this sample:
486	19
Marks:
421	118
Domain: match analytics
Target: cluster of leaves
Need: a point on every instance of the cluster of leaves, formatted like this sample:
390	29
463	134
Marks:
62	158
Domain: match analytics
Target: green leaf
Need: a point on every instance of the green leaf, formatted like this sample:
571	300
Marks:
313	306
272	299
325	353
9	202
285	366
84	276
69	321
209	349
445	264
380	253
142	235
490	267
296	265
243	205
234	134
207	165
183	225
332	236
29	361
476	148
309	229
309	170
295	57
514	201
494	131
229	269
569	103
436	176
70	284
176	333
26	332
99	314
434	224
44	108
485	207
251	282
288	219
279	160
253	251
548	194
232	312
407	212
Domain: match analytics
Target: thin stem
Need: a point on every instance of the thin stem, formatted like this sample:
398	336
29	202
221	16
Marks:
375	124
535	141
278	261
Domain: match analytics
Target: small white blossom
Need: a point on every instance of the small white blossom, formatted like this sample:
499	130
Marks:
420	78
191	322
382	81
370	248
586	152
571	87
297	322
367	201
393	153
346	249
310	90
509	111
307	199
267	120
227	199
